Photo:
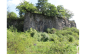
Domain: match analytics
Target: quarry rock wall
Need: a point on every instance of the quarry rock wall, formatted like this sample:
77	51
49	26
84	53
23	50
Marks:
41	22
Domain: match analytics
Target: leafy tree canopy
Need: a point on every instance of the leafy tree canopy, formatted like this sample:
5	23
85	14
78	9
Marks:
61	11
51	10
25	7
64	13
11	14
68	14
45	8
41	5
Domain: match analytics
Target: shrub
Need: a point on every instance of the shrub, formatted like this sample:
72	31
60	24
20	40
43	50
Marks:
62	48
17	43
71	38
13	29
52	31
37	36
57	32
32	34
14	43
48	30
31	31
65	32
45	37
33	42
53	37
76	36
76	43
75	30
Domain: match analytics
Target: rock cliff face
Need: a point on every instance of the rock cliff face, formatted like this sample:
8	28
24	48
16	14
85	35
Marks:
41	22
18	24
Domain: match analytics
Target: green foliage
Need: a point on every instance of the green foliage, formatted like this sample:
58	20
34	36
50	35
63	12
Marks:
33	42
51	10
52	31
64	13
60	8
38	36
45	37
48	30
76	43
65	32
73	29
45	8
13	29
61	11
53	37
11	15
71	38
41	5
63	48
68	14
17	43
25	7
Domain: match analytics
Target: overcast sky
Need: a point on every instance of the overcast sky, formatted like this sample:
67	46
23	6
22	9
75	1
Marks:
76	6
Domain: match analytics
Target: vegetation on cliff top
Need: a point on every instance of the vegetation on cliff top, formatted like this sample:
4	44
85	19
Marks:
45	8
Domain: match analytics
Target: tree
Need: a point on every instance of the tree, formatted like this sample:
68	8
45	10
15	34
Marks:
64	13
41	5
68	14
46	8
61	11
11	14
51	10
25	7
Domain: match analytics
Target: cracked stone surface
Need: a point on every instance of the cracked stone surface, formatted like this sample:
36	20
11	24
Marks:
41	22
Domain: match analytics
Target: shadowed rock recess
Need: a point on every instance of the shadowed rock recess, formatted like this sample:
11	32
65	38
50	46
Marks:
41	22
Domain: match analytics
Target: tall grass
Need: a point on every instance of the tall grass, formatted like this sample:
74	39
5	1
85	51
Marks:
52	41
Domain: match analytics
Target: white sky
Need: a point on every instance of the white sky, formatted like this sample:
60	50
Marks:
16	2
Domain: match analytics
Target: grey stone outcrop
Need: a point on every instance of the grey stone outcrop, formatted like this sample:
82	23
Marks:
41	22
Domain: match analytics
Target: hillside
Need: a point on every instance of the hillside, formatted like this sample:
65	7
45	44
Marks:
52	41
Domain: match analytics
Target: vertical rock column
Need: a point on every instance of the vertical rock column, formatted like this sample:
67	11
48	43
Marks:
28	21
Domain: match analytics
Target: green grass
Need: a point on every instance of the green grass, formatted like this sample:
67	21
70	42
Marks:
33	42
